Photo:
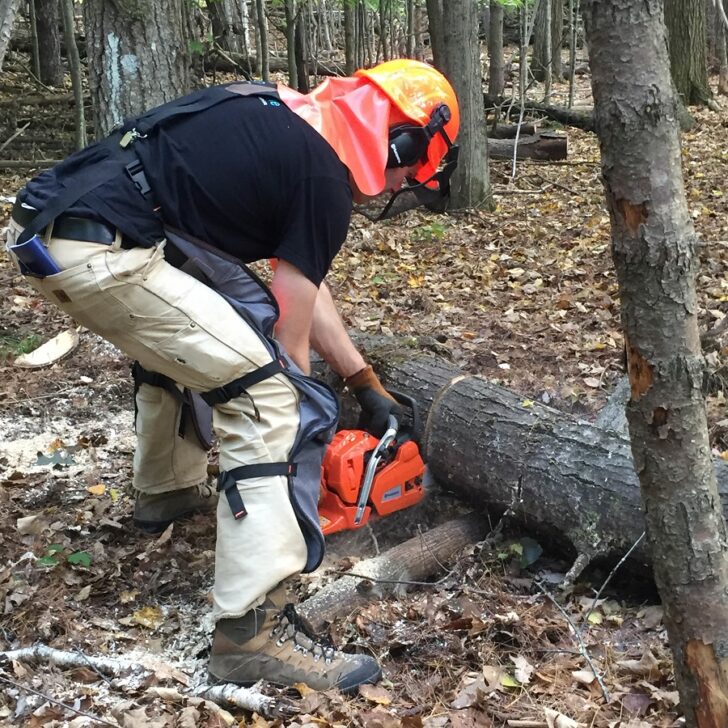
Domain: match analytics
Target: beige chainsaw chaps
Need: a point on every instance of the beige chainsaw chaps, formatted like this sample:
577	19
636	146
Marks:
175	325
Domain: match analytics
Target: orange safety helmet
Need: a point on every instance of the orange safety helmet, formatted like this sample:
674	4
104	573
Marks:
417	90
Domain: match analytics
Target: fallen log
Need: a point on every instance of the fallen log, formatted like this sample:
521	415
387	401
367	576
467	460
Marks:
410	561
510	131
549	147
583	119
567	481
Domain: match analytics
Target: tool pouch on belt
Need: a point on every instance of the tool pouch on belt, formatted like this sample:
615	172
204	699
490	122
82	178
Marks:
318	404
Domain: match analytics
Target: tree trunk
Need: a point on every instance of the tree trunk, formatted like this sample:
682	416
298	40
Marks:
8	11
541	61
349	38
437	32
261	34
496	71
33	30
654	250
74	67
685	20
301	53
138	57
721	42
49	42
470	186
557	38
229	24
573	36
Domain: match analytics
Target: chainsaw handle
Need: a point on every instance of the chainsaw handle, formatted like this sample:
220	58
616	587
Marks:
411	404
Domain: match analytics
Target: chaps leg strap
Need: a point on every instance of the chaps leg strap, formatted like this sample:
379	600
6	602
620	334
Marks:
227	481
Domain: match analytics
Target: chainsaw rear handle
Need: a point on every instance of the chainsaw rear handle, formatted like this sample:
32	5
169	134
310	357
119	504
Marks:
410	403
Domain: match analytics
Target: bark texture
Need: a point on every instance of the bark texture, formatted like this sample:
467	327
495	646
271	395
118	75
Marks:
138	57
539	146
470	186
8	11
496	72
49	42
654	250
685	21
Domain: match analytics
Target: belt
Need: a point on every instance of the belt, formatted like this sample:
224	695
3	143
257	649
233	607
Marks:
70	227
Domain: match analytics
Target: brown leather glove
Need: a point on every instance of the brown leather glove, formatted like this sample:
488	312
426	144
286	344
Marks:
375	402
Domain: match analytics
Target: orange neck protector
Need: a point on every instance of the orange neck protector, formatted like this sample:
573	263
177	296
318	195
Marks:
353	115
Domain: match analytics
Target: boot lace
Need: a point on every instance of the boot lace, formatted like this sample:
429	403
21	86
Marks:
290	626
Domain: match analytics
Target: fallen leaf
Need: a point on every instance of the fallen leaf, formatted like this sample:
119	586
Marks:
524	669
83	595
376	694
647	666
30	525
98	489
149	617
586	677
554	719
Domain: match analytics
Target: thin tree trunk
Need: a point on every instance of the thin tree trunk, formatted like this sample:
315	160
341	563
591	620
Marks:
654	248
557	38
496	71
721	36
301	53
349	37
573	35
34	49
437	33
261	50
49	42
290	8
74	66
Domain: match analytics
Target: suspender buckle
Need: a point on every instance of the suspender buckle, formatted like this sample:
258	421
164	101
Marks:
136	172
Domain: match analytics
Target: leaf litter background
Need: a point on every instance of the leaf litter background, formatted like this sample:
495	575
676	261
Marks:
525	296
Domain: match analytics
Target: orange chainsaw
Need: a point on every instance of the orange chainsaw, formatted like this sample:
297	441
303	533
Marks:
362	474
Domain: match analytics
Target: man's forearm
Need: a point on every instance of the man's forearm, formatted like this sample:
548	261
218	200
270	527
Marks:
330	339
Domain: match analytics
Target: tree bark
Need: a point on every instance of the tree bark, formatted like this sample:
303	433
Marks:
349	38
138	57
261	49
74	67
470	185
8	11
496	70
685	21
655	255
49	42
557	38
541	61
540	146
437	32
722	53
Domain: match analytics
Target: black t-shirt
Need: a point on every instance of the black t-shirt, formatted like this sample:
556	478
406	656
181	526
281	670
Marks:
247	176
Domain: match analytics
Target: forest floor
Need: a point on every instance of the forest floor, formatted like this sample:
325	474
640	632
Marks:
525	296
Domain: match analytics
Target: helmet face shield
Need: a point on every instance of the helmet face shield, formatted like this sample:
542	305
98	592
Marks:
433	192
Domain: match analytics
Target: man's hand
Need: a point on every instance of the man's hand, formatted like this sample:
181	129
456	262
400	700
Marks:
375	402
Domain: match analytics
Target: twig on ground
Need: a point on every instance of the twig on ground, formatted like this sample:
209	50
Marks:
27	689
247	698
17	133
577	633
393	581
40	396
609	577
580	563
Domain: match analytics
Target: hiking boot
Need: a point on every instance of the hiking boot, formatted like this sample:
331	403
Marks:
277	646
154	512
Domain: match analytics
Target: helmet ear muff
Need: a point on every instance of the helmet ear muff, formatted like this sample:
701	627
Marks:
408	142
407	145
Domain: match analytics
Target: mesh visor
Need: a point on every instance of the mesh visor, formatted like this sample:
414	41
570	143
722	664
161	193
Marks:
433	193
